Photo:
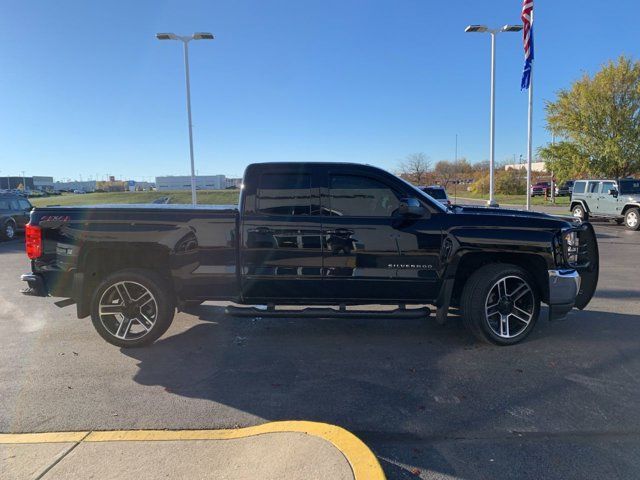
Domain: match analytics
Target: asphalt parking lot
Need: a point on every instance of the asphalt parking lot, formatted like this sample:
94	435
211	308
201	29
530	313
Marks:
428	400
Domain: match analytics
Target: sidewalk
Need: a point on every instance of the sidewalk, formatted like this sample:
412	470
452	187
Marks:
277	450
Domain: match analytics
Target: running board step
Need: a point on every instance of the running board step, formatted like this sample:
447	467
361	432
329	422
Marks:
315	312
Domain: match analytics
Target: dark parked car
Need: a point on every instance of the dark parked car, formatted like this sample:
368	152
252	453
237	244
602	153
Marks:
438	193
14	215
311	234
564	189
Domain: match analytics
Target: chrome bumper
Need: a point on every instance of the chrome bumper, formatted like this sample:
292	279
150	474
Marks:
564	286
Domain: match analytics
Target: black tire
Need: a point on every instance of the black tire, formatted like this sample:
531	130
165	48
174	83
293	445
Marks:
8	231
579	211
632	219
480	287
143	330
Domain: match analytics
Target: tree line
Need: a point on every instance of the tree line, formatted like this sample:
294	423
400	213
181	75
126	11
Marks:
595	124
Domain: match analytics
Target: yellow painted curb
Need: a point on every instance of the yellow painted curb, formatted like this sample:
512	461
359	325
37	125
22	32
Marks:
52	437
363	462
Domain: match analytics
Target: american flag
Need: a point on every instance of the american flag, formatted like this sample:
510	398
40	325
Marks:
527	37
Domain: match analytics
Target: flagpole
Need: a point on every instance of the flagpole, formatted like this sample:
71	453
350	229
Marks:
529	140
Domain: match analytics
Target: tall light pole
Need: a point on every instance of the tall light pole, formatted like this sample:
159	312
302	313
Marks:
185	42
492	137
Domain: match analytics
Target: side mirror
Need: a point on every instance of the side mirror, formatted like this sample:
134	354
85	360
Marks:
411	207
613	191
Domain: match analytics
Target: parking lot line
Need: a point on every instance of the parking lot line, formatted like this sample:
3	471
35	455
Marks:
363	462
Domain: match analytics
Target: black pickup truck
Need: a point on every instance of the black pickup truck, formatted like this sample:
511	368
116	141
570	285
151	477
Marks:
311	234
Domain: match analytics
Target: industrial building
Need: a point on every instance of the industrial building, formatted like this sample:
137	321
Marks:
44	184
535	166
84	186
203	182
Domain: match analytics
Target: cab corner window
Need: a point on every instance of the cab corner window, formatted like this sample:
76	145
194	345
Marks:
578	187
284	194
354	195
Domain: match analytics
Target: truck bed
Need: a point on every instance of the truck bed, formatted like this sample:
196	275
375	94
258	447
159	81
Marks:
198	245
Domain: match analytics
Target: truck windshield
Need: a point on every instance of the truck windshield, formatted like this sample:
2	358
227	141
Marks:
629	186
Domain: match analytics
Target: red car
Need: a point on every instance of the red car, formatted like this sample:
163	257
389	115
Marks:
541	188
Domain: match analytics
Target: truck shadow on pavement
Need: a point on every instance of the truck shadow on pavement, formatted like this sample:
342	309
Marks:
409	388
12	246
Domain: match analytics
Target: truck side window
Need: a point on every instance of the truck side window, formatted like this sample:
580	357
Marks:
284	194
578	187
356	196
593	187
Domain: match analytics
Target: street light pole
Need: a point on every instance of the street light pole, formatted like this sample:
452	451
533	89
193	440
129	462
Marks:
185	42
194	199
492	122
492	119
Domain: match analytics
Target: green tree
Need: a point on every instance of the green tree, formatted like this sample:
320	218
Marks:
598	119
511	182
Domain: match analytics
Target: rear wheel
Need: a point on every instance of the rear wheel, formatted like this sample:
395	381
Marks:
632	219
578	211
500	304
132	308
8	231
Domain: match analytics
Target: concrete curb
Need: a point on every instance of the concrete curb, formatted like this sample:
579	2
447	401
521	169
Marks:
363	462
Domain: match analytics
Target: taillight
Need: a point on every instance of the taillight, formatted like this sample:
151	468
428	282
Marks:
33	241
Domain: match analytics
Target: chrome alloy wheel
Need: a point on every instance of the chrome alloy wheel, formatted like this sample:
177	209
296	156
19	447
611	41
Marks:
578	212
9	230
509	306
128	310
632	219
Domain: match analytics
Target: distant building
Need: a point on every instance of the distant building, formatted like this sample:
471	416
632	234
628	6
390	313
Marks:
112	185
535	166
86	186
28	183
44	184
203	182
233	183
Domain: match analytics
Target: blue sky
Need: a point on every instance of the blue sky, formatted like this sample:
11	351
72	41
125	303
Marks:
87	90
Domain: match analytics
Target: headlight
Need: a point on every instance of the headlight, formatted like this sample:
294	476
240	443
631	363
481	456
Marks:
571	247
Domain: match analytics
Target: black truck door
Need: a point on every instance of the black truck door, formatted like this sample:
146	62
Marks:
281	247
370	252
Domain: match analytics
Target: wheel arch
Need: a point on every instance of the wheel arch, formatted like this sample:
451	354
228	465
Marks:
98	262
534	264
628	207
580	202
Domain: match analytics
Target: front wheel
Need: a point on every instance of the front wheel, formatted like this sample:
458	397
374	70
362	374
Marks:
579	212
500	304
132	308
632	219
8	230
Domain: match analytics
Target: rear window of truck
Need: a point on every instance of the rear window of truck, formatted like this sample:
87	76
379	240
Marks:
284	194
